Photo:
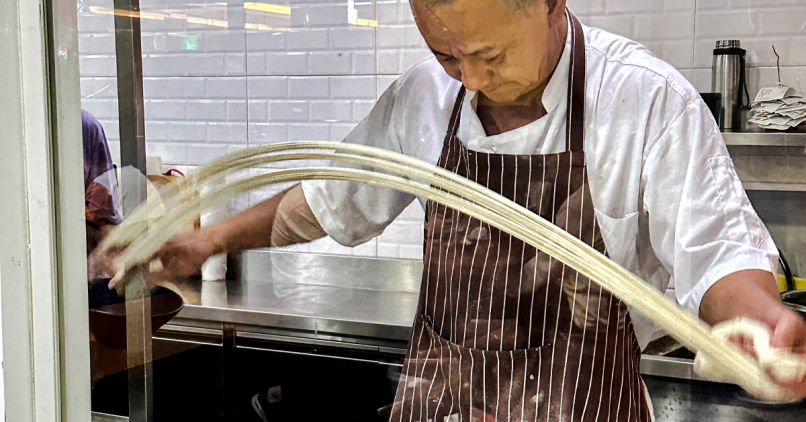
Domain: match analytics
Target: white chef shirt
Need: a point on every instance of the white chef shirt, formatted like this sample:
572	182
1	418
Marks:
666	195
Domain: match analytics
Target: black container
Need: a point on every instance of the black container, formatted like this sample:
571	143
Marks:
714	102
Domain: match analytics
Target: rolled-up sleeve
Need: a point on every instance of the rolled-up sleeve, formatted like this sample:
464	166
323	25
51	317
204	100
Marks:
352	212
701	224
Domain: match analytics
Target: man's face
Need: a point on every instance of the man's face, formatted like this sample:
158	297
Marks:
492	47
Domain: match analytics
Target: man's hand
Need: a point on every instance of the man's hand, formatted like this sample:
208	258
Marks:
182	256
754	294
789	333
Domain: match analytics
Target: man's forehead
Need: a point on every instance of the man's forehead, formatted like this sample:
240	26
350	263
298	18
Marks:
454	27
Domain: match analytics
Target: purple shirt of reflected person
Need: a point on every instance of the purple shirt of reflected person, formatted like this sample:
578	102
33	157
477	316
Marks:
101	202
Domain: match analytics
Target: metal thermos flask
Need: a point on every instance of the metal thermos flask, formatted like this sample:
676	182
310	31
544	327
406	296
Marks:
728	79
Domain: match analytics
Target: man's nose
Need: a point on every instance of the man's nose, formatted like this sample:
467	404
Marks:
475	75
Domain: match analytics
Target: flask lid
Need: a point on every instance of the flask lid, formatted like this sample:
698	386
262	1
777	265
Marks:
728	44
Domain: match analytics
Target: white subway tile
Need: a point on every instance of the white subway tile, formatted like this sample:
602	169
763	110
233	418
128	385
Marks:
319	15
101	108
226	132
289	111
207	110
266	133
271	87
411	57
307	39
308	132
300	87
631	6
382	83
200	154
621	25
329	63
229	41
236	110
679	54
353	38
233	87
702	79
330	111
664	26
100	44
92	23
287	63
364	63
265	41
197	64
165	109
788	21
169	153
187	132
727	24
174	87
388	36
256	64
361	109
353	87
413	38
389	62
258	110
235	65
339	131
386	12
97	65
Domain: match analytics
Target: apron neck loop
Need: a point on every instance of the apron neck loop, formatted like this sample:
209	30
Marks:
575	123
453	125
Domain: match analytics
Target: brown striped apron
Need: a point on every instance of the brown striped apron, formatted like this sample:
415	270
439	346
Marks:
504	332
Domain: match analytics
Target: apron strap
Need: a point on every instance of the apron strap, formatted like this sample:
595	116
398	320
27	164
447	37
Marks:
575	123
453	125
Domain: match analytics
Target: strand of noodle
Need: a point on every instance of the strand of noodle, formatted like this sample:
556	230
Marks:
632	290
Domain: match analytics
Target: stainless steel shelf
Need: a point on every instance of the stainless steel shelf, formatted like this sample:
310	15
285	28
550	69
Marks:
769	139
775	187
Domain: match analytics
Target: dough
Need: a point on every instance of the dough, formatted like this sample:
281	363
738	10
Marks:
783	365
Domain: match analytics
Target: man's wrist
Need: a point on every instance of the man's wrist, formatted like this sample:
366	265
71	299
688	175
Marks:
217	240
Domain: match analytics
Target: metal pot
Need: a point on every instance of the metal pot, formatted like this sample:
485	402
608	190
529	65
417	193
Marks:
795	299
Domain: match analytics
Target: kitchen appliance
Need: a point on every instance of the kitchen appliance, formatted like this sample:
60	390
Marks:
729	79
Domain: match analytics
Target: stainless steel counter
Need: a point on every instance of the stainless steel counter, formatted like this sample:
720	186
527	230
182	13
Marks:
327	297
327	300
332	306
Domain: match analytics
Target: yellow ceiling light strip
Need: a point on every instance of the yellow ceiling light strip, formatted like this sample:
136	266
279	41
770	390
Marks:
160	16
267	8
208	21
259	27
127	13
366	22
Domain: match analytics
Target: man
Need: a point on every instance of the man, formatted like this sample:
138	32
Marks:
590	131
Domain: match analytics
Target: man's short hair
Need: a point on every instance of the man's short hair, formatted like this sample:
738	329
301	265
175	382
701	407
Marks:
519	4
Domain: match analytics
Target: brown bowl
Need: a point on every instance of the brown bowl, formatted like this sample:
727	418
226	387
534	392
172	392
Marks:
108	322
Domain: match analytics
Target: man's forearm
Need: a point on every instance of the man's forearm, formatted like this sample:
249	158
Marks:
247	230
750	293
281	220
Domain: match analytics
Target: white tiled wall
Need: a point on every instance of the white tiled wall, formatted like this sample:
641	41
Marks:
221	75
